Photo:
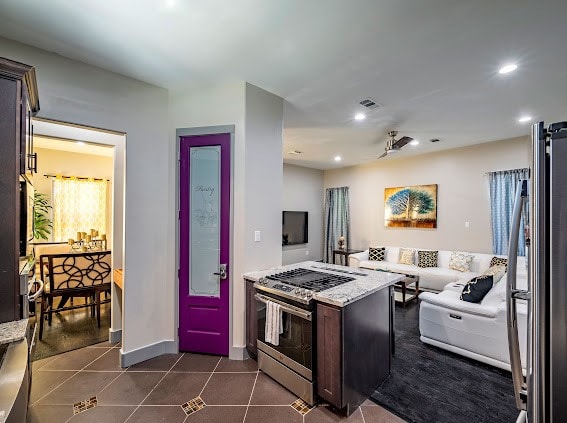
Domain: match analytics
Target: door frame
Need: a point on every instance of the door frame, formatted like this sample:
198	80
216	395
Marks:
205	130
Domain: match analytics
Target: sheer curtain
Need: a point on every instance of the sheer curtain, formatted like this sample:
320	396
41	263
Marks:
78	205
503	186
337	220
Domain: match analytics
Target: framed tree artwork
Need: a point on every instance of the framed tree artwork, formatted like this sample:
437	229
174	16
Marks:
411	207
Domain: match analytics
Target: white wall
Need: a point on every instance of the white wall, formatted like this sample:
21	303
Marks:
303	191
264	179
70	91
257	117
53	162
463	195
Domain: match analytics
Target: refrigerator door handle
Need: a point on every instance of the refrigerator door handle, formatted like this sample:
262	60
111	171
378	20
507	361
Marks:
512	294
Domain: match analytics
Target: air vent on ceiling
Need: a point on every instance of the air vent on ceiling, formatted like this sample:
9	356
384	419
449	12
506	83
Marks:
369	103
434	140
295	152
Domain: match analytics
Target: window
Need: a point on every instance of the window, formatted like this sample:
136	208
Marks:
78	205
503	185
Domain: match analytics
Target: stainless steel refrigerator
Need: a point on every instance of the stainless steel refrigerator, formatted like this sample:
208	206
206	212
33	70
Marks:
541	387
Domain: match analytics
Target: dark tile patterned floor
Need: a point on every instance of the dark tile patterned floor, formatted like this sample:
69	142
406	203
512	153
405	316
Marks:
70	329
162	390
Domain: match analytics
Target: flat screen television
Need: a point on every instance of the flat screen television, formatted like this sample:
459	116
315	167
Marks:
294	227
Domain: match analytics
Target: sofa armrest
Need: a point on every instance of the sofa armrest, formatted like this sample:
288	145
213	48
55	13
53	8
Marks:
355	259
459	305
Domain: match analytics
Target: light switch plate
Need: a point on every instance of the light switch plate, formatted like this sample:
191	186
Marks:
256	236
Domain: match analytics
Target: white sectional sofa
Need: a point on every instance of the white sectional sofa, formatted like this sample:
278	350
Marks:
430	278
475	330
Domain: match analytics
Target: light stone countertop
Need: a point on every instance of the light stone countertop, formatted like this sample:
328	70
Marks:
366	281
13	331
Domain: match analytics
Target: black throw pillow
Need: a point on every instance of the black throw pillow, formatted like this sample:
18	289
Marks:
376	254
475	290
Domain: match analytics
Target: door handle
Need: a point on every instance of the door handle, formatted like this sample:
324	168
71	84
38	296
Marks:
222	271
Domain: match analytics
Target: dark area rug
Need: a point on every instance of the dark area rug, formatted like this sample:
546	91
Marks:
69	330
428	384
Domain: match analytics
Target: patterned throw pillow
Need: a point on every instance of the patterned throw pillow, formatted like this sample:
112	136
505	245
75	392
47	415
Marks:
496	272
406	256
427	258
376	253
460	261
498	261
475	290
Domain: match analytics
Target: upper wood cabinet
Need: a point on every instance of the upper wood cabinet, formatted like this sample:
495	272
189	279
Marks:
18	102
26	101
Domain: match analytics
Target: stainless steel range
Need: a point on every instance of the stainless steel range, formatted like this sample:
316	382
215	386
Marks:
291	362
300	284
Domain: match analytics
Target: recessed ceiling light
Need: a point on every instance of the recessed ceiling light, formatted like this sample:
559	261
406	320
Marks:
524	119
508	68
359	116
338	158
414	142
80	143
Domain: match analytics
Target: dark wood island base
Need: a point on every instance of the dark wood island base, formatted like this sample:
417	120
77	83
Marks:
354	349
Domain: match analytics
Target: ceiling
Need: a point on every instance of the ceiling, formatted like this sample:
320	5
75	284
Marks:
431	64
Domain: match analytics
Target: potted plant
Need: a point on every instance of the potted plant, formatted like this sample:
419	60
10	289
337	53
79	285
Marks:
42	224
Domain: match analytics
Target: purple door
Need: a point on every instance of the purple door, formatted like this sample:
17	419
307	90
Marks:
204	243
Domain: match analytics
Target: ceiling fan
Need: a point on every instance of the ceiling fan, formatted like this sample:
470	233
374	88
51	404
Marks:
393	145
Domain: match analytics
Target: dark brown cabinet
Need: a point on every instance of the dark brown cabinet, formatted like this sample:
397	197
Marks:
18	101
329	354
251	319
354	349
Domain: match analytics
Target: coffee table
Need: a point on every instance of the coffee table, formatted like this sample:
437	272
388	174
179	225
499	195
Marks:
401	295
403	285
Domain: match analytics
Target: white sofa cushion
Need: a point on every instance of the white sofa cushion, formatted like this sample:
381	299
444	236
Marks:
450	300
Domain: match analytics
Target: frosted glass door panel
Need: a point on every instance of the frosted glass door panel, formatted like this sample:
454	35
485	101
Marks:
204	226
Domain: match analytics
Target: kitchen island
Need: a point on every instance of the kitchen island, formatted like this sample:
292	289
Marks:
340	350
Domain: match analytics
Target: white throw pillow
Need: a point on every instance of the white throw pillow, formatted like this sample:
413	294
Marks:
460	261
406	256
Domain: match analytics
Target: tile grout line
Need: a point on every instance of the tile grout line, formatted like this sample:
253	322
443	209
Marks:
250	399
155	386
362	414
210	376
73	375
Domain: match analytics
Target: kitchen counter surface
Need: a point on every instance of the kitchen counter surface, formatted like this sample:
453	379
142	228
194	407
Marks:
366	281
13	331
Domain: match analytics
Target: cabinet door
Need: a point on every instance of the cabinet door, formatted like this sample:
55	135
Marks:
329	354
251	319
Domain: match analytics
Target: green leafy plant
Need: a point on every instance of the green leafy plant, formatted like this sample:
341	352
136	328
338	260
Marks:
42	224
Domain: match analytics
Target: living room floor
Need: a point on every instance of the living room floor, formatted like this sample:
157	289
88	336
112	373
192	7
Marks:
87	385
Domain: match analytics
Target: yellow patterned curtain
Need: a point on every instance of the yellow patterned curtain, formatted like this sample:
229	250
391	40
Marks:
78	205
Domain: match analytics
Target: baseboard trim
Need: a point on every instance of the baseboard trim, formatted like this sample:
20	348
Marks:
114	336
145	353
238	353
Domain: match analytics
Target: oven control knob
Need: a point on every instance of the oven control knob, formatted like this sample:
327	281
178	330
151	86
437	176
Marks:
303	292
309	294
297	290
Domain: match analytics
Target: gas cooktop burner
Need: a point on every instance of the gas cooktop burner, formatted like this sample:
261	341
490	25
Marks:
310	279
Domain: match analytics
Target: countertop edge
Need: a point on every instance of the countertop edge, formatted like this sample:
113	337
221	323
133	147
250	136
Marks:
343	303
13	331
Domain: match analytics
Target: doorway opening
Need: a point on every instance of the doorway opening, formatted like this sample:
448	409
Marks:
80	179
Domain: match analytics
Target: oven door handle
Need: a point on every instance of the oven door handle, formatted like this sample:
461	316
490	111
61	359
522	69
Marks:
286	307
